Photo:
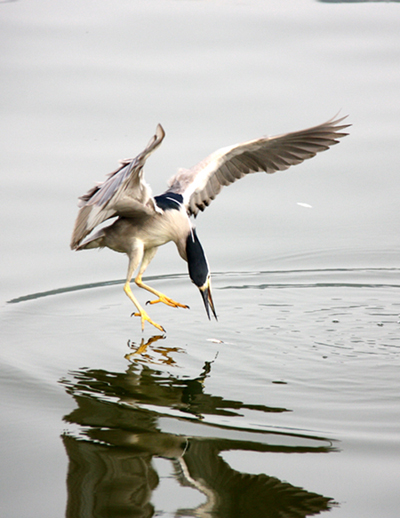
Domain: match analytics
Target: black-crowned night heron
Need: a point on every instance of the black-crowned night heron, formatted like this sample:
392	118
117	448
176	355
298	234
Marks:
143	222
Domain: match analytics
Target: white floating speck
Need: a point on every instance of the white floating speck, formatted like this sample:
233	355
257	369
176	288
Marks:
218	341
306	205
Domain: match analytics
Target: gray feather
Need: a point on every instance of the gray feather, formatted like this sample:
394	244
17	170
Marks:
123	193
201	184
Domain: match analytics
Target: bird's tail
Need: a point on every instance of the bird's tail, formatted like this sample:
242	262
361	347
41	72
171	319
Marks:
94	241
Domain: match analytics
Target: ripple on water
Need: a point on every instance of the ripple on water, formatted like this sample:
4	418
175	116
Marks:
299	362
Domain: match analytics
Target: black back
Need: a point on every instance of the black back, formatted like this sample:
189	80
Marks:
169	201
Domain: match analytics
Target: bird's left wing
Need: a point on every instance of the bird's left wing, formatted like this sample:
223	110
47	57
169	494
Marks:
201	184
123	193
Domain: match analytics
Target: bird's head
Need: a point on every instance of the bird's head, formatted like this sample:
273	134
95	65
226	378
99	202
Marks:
199	271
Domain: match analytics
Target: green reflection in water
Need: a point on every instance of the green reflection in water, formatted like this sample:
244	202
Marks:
111	450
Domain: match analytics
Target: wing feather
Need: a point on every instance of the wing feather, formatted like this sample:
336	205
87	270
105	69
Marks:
123	193
200	185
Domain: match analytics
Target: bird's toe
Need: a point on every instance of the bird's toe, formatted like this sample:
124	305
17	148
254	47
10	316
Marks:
145	318
169	302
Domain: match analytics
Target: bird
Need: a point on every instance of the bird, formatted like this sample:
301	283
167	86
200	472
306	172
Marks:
141	222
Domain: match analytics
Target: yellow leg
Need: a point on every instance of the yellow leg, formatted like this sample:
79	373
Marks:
161	297
141	312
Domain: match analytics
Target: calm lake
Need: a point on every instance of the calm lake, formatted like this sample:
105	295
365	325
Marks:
289	404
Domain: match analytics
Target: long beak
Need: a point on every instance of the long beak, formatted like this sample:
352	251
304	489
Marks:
207	299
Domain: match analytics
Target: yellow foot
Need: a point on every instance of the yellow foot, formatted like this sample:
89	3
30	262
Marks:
145	317
168	301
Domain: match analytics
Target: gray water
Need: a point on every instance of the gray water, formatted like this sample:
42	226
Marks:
289	404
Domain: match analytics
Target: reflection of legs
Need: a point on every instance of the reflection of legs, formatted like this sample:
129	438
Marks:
148	256
134	259
144	345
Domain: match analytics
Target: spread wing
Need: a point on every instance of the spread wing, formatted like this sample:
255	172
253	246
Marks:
201	184
123	193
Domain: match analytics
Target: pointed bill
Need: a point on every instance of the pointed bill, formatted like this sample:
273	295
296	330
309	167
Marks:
207	299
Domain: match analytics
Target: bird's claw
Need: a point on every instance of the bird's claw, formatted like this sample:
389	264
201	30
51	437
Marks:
145	317
168	302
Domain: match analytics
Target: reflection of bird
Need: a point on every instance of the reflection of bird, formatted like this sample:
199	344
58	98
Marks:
145	222
115	435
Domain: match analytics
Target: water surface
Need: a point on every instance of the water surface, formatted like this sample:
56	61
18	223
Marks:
289	404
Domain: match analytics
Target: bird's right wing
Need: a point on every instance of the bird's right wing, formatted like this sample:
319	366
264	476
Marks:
200	184
123	193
